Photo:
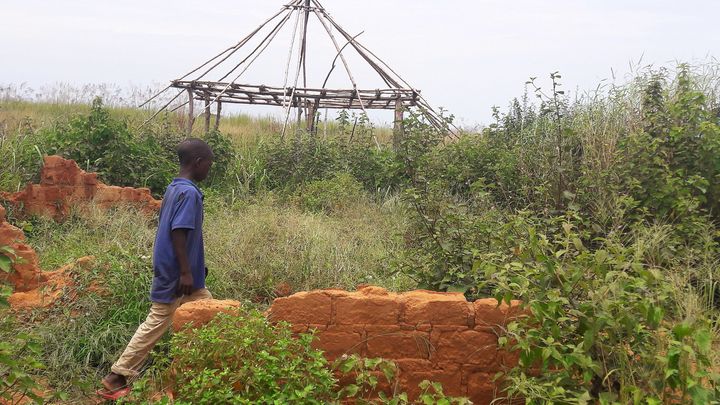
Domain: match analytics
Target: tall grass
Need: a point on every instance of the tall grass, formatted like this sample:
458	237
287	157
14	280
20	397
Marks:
253	248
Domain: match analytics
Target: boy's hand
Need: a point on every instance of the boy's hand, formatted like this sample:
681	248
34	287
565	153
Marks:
185	286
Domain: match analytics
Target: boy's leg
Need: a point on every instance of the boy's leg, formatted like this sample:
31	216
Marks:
147	335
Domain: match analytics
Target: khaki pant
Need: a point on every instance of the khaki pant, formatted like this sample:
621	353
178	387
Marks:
147	335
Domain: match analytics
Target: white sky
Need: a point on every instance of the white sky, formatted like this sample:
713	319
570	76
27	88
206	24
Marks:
464	55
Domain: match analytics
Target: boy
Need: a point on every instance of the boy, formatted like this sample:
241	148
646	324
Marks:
178	264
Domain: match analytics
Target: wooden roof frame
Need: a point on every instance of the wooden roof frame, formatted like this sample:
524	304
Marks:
398	94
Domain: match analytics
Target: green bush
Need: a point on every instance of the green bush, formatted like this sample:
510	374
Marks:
103	144
243	359
672	166
600	215
20	355
602	322
303	159
367	374
330	195
611	318
225	157
307	158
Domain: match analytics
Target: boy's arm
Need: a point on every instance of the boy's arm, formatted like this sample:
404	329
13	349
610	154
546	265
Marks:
179	239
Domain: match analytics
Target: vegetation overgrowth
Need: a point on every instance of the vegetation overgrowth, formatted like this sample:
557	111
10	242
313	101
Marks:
599	212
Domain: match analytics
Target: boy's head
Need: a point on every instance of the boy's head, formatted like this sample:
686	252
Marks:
195	158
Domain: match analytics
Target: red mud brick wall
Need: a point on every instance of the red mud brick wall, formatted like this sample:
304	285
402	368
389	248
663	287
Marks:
62	182
32	287
26	274
431	336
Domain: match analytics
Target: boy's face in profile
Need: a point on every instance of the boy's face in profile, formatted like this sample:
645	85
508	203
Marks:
201	168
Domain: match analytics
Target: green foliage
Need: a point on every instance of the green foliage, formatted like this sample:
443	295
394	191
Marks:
22	156
7	258
225	157
672	166
375	381
599	321
609	242
103	144
445	239
19	357
243	359
330	195
369	376
309	157
419	138
303	159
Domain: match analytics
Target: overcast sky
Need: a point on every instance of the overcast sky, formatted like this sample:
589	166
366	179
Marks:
464	55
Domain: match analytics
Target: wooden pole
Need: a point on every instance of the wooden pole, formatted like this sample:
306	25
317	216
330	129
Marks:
299	104
191	111
217	116
303	52
207	113
311	112
398	127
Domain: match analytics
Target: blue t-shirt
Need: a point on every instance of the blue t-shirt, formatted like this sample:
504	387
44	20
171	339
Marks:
182	208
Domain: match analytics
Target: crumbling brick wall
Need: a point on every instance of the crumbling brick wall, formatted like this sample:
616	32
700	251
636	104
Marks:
32	287
62	183
431	336
26	274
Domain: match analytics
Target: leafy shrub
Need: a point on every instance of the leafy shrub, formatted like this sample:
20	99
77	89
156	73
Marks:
418	140
601	321
604	318
7	258
106	145
369	376
330	195
672	166
243	359
445	239
609	243
19	356
308	158
376	168
303	159
225	156
475	159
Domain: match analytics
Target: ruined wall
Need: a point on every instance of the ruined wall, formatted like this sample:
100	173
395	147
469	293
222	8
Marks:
62	182
26	274
32	287
431	336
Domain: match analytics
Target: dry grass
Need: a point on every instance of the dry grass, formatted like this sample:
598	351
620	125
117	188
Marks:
252	249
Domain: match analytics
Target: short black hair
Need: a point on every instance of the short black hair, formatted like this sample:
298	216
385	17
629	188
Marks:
191	149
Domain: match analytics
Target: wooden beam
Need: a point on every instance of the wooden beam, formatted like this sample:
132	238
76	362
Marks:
191	111
398	125
207	113
217	116
311	112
